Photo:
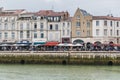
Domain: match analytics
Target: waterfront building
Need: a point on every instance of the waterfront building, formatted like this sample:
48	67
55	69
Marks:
8	25
26	28
106	29
54	24
81	26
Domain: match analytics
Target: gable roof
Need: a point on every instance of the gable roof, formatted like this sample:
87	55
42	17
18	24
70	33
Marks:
106	18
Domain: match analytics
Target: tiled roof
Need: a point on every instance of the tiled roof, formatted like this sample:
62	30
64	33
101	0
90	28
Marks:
29	13
106	18
69	19
49	13
11	12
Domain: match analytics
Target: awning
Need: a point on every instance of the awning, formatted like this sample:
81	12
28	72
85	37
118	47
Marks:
38	43
5	45
52	43
78	44
23	44
65	44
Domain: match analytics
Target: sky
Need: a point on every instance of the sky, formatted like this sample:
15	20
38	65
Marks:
94	7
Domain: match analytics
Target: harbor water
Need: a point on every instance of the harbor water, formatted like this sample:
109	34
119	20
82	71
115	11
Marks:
58	72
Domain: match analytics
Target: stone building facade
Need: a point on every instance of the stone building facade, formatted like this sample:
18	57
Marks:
81	26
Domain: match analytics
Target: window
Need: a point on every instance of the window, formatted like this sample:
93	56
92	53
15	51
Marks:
42	35
35	34
51	26
58	19
77	24
13	35
52	18
67	32
28	34
97	23
88	33
55	19
111	32
88	24
117	24
97	32
6	26
77	33
68	24
35	25
105	32
78	17
13	26
117	32
28	26
6	35
0	35
41	26
12	19
21	26
56	26
63	32
111	23
105	23
6	20
0	19
0	27
21	34
63	24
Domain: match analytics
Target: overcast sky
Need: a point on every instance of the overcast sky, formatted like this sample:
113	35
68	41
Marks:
94	7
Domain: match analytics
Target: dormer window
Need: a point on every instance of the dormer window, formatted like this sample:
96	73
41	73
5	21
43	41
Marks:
38	18
57	18
51	18
41	18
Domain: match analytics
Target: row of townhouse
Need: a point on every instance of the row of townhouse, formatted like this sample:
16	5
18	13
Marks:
101	29
48	25
38	27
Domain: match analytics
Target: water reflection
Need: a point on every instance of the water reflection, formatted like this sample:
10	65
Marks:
58	72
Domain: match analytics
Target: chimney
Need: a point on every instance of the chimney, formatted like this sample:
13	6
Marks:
1	9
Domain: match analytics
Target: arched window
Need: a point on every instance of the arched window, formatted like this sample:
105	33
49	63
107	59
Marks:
78	41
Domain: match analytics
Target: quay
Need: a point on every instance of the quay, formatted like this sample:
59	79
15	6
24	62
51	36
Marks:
61	57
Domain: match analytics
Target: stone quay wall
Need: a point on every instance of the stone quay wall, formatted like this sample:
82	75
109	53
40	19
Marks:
60	57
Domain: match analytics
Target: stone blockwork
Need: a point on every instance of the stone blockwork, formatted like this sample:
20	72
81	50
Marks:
63	57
